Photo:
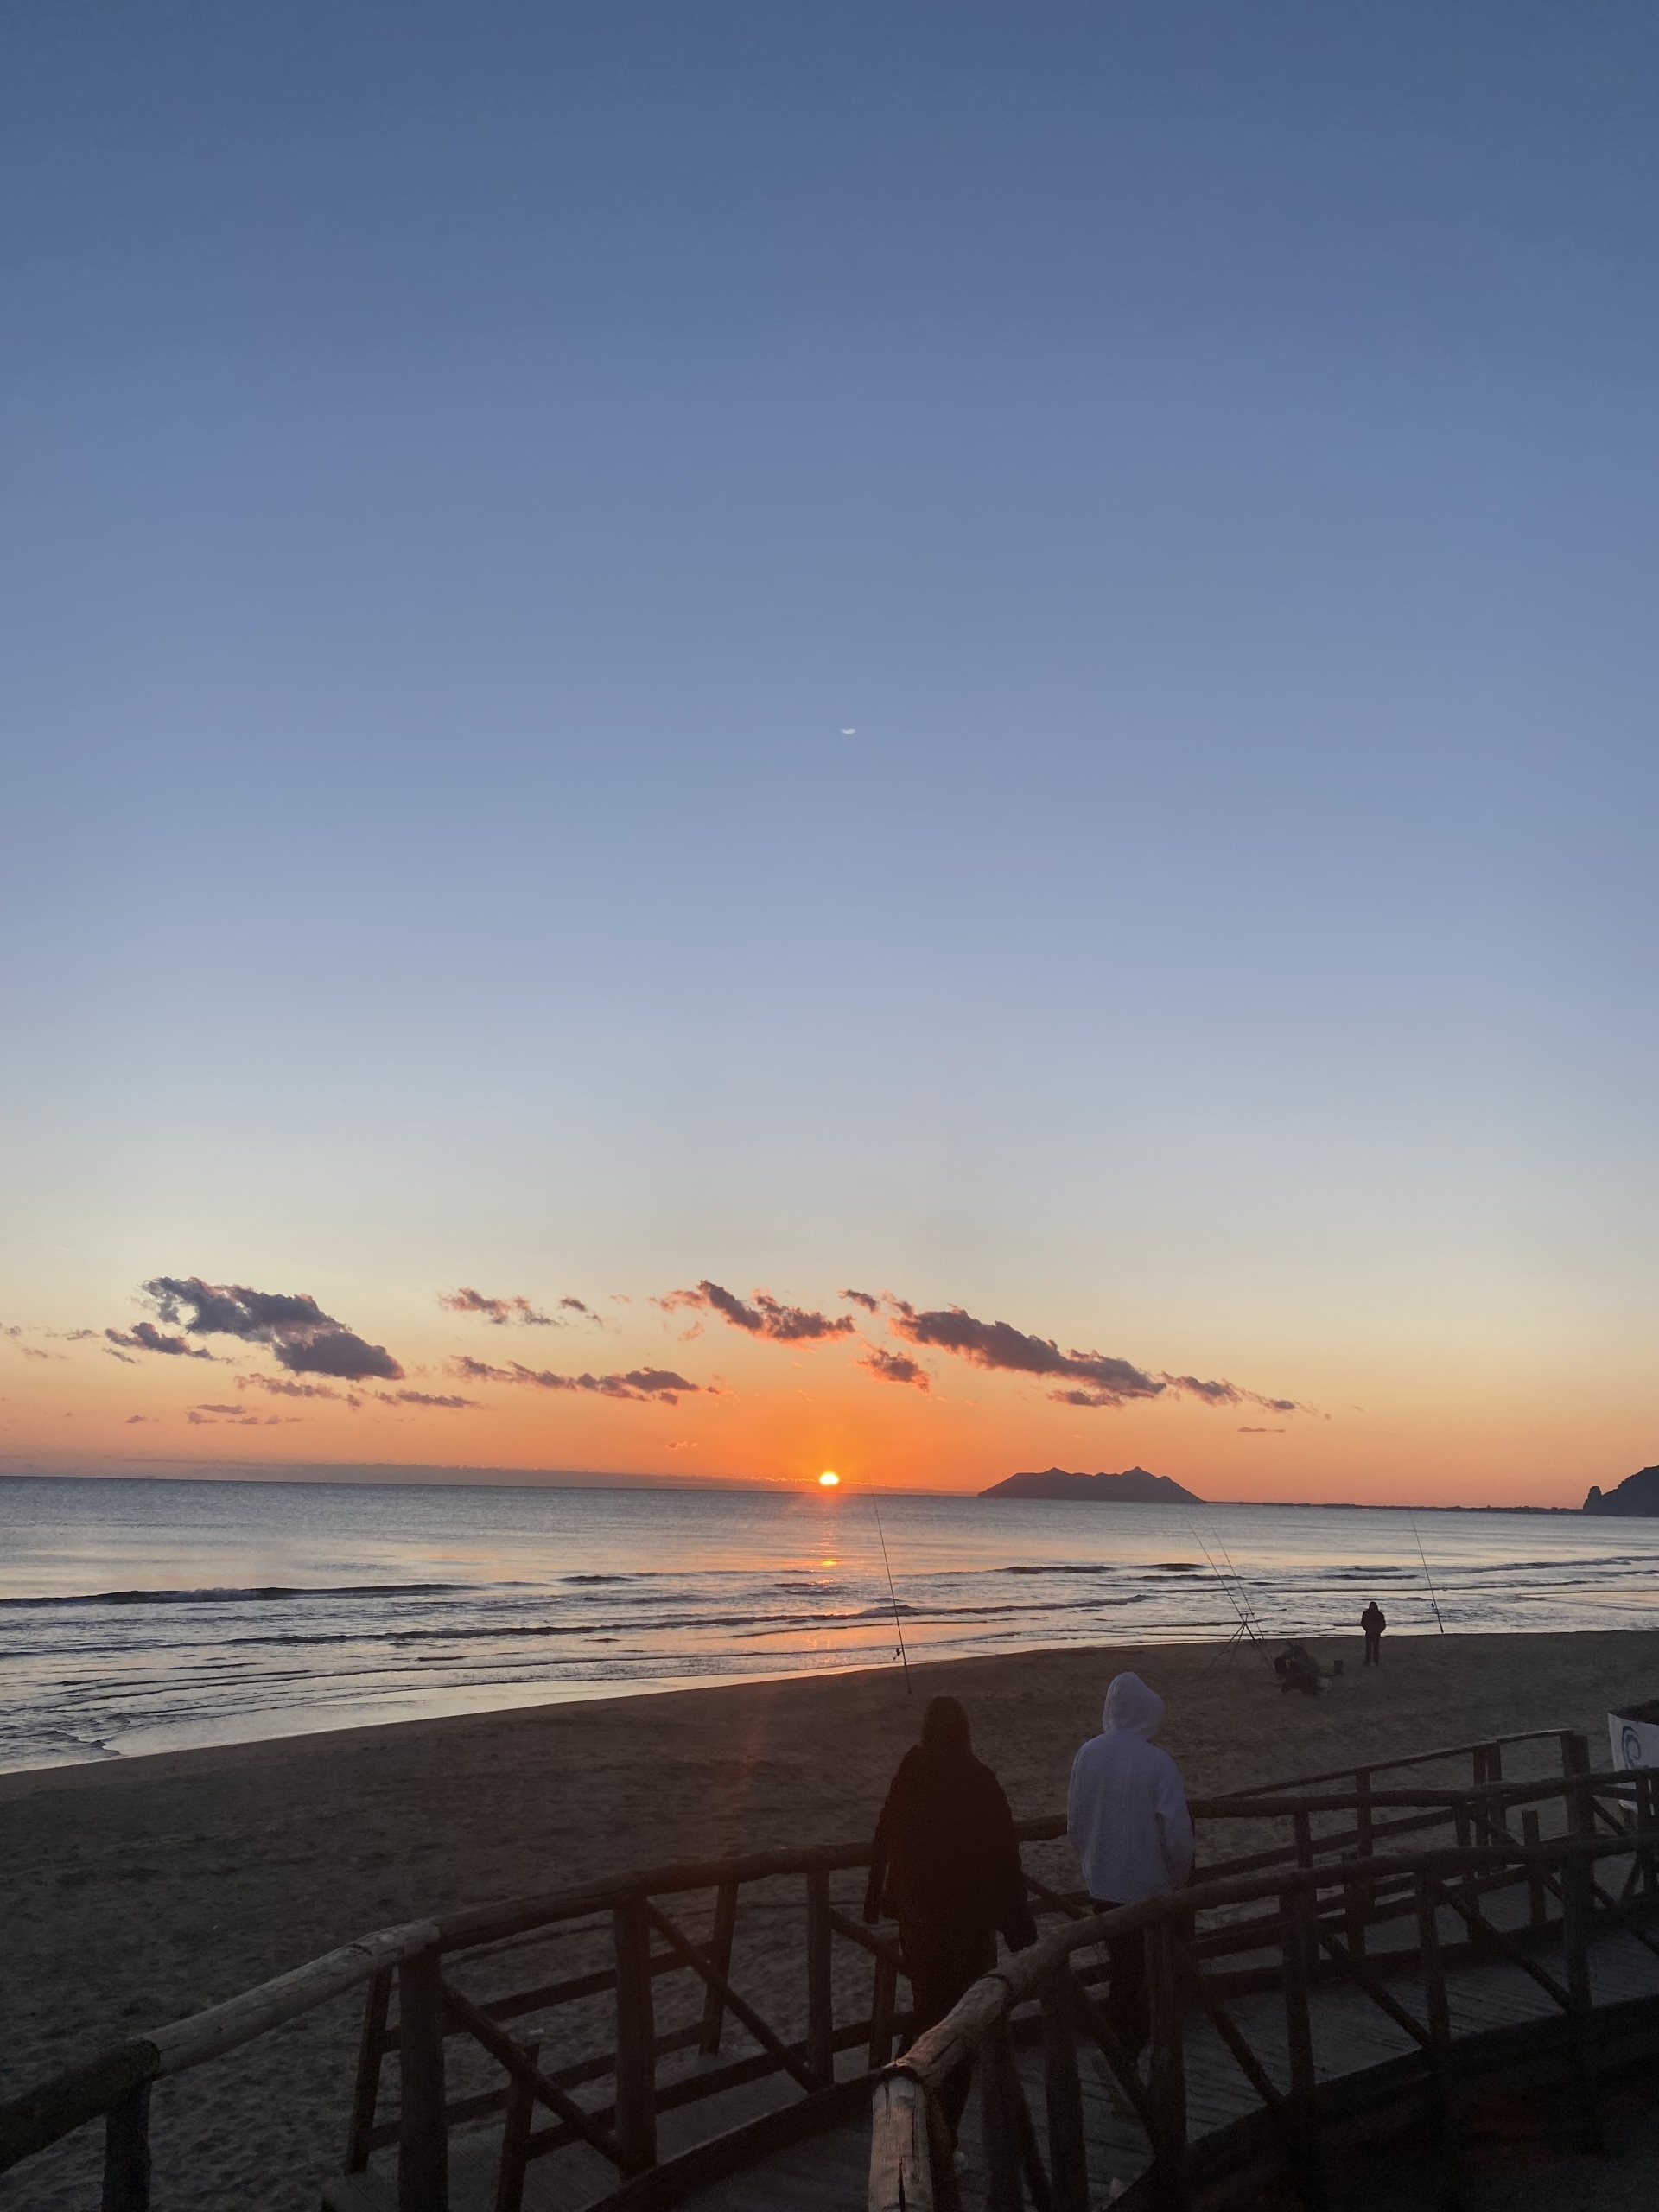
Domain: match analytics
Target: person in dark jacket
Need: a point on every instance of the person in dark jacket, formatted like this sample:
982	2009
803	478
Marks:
1297	1669
946	1865
1373	1621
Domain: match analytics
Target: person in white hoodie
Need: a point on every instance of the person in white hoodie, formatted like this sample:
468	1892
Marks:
1127	1818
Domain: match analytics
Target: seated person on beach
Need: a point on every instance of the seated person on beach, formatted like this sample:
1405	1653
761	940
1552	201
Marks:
1127	1818
1297	1669
945	1864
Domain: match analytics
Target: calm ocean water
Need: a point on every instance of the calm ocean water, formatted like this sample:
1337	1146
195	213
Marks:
139	1616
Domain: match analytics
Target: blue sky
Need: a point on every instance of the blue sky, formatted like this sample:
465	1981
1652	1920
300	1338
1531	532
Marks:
1007	652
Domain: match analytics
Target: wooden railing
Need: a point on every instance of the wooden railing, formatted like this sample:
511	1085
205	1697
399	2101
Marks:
643	1979
1314	1932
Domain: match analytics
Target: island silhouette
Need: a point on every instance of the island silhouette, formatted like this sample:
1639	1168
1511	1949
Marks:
1135	1486
1637	1493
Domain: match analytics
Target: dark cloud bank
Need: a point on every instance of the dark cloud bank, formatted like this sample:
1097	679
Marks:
146	1337
303	1339
768	1317
1096	1378
658	1385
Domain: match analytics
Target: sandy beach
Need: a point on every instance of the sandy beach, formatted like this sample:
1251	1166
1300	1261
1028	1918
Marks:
136	1892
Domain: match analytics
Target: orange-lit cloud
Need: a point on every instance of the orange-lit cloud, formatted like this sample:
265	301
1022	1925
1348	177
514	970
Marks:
768	1317
144	1336
500	1310
894	1367
638	1383
1099	1378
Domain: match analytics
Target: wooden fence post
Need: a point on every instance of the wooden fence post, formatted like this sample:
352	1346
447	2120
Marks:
1433	1968
1498	1818
1298	1914
515	2134
1578	1903
720	1957
1647	1814
1361	1895
1461	1820
126	2153
884	1997
1537	1898
366	2095
820	1985
636	2037
997	2092
1167	2079
423	2125
1439	2027
1068	2157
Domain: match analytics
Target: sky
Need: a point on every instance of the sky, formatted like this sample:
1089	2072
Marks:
1002	657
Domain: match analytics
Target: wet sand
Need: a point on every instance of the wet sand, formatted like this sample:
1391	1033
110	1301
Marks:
134	1891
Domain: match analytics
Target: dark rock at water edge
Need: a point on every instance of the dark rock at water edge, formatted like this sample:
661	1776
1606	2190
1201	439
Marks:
1133	1487
1637	1493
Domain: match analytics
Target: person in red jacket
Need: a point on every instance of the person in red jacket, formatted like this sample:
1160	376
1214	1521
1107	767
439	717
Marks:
946	1865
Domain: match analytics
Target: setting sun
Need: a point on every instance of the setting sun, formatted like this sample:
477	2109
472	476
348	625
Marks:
827	1481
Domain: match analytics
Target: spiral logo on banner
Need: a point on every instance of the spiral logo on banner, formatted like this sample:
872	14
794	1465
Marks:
1629	1745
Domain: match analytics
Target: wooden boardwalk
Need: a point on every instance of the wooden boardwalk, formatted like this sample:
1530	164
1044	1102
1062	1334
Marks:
729	2024
1351	2033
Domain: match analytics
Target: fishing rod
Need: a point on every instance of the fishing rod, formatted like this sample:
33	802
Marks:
1427	1577
1251	1614
899	1626
1227	1587
1236	1598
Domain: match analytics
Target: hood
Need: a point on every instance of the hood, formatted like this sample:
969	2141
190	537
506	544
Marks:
1131	1708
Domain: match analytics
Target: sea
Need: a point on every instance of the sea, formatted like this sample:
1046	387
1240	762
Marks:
140	1615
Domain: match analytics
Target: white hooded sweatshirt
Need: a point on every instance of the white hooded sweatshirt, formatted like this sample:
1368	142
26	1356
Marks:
1125	1815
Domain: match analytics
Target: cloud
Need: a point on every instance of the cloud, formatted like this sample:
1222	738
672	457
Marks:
1098	1379
894	1367
1261	1431
133	1419
146	1337
768	1317
998	1344
279	1387
305	1339
860	1298
500	1310
121	1356
639	1384
1229	1394
34	1352
237	1417
421	1398
75	1336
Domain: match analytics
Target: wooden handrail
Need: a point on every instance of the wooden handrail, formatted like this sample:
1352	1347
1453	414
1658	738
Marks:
30	2123
1413	1758
904	2151
40	2116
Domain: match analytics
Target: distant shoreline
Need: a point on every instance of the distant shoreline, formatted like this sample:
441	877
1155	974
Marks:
469	1478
